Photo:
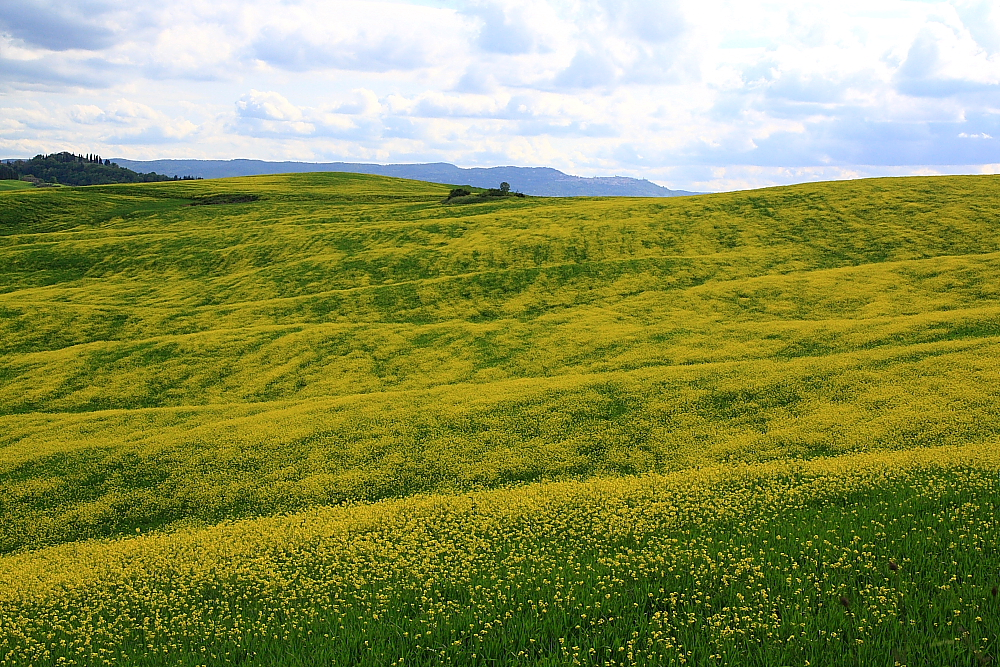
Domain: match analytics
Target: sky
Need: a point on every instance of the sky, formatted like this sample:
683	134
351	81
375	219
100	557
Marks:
703	95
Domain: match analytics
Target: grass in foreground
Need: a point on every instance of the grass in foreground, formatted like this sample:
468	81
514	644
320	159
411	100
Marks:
883	559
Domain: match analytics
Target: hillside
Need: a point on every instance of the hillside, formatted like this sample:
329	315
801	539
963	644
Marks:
69	169
15	185
537	181
748	428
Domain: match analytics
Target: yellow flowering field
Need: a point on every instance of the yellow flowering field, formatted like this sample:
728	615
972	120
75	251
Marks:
333	419
871	559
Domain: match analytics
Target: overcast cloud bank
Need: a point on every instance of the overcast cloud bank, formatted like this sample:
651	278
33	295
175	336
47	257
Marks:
704	95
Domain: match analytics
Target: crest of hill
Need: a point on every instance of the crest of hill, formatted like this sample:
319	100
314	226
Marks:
536	181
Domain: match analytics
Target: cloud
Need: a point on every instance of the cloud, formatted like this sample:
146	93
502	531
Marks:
86	114
358	36
200	50
52	74
267	113
654	21
160	133
944	60
475	81
359	101
588	69
982	19
643	87
557	128
501	33
31	129
298	52
812	87
441	105
855	140
267	106
127	122
60	26
270	114
33	119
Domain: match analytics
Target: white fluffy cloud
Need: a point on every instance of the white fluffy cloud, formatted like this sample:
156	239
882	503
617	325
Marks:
705	94
267	106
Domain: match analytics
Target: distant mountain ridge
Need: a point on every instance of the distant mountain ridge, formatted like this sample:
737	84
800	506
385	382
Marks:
538	181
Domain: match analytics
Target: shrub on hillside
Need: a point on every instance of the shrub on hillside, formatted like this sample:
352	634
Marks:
502	191
466	191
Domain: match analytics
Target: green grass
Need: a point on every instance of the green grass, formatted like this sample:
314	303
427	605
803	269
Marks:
175	355
14	185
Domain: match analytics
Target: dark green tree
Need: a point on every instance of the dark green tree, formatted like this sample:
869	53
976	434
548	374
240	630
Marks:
89	169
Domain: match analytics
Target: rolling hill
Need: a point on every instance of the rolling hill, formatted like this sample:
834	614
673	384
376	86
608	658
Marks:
330	417
538	181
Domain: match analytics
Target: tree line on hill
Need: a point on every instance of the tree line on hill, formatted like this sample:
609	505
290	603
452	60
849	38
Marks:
69	169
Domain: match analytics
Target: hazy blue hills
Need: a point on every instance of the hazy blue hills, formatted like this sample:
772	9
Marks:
539	181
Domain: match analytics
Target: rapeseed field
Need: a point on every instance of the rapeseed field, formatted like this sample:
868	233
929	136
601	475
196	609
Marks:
333	419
